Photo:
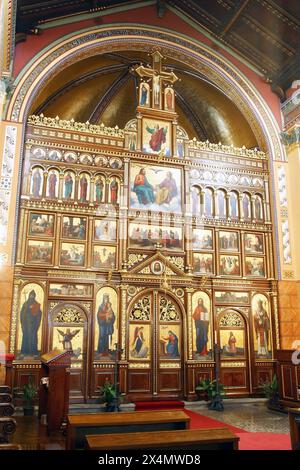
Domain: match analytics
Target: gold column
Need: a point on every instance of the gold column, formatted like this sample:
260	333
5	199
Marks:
189	348
124	330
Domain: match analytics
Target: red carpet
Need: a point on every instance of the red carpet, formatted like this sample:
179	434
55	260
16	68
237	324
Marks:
248	440
159	405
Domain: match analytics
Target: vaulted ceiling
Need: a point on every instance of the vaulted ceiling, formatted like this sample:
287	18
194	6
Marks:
103	89
266	33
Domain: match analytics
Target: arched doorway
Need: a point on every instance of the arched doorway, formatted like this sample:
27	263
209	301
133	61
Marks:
155	347
68	330
233	341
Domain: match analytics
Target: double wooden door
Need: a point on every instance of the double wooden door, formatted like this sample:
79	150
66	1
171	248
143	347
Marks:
155	347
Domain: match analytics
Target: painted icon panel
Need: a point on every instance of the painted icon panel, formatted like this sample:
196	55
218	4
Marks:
148	236
228	241
155	188
254	266
139	341
104	257
72	254
232	343
229	265
29	326
106	324
232	297
261	326
254	243
70	290
156	137
105	230
69	338
39	252
202	330
169	341
203	263
202	239
74	227
41	224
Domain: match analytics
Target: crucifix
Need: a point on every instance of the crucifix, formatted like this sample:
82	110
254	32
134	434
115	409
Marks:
158	77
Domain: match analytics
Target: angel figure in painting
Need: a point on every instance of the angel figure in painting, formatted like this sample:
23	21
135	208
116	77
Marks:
67	339
138	345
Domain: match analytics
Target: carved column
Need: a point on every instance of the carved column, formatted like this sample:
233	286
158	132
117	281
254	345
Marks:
123	323
189	310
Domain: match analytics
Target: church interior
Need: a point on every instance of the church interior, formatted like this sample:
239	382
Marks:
149	223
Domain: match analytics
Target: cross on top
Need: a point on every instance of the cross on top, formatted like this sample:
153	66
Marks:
158	77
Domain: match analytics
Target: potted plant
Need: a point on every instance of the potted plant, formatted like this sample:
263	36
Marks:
207	390
28	392
271	392
109	392
202	390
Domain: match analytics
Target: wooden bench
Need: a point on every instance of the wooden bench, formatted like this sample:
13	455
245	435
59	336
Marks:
197	439
294	419
78	426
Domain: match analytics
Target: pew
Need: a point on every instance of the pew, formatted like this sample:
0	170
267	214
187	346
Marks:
187	439
78	426
7	427
6	409
294	420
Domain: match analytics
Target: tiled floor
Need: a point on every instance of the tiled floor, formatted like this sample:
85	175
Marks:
250	417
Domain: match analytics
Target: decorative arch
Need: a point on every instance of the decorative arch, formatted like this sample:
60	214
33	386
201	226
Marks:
99	40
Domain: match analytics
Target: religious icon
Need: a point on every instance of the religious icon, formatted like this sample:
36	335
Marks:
208	202
203	263
69	340
70	157
99	189
202	239
246	206
232	343
69	185
106	318
74	227
228	241
104	257
202	348
157	267
258	208
221	204
30	321
52	187
86	159
262	326
195	200
157	137
148	236
169	341
70	290
132	141
114	191
155	188
180	148
72	254
83	188
156	90
144	94
67	337
229	265
41	224
254	243
105	230
37	182
39	252
169	99
254	266
139	342
233	205
115	163
54	155
232	297
39	153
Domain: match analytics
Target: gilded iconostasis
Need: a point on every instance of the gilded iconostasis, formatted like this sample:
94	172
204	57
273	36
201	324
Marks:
142	238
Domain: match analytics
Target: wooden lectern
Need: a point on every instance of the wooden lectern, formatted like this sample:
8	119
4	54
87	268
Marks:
54	388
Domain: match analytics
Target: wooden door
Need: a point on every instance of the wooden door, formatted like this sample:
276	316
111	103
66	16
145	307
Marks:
155	348
233	342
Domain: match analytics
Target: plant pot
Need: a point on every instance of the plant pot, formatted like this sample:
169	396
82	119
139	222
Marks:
28	410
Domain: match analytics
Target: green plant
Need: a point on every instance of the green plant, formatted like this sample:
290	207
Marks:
270	389
108	391
28	392
208	388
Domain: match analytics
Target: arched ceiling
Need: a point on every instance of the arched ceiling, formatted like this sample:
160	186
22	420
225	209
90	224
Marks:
103	89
